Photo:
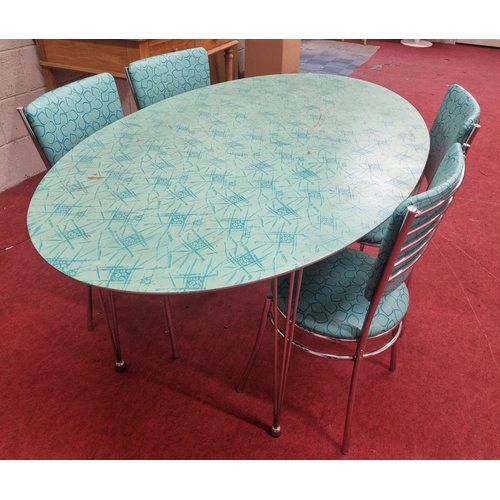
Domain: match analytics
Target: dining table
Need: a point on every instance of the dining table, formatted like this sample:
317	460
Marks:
228	185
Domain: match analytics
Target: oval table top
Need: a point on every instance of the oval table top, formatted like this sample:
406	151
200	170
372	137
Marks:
230	184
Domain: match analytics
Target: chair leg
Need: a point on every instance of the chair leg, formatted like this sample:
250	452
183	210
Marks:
350	404
256	348
408	280
90	319
113	329
402	330
394	350
170	326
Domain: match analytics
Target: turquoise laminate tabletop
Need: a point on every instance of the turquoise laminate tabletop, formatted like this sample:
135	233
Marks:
229	184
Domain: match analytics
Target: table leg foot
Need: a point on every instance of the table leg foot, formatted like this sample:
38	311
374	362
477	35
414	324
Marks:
121	366
275	432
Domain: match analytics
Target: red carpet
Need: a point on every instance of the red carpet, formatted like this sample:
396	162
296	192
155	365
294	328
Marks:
62	399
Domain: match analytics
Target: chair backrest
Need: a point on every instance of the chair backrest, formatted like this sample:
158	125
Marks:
456	121
156	78
413	224
60	119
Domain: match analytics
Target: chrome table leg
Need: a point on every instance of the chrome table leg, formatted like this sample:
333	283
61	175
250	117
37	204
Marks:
90	319
113	329
170	326
291	315
256	348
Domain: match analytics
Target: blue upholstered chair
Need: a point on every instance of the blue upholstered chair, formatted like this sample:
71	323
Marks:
456	121
60	119
358	300
159	77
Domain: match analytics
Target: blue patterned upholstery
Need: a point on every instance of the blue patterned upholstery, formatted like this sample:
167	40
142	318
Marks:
332	299
336	292
63	117
159	77
455	122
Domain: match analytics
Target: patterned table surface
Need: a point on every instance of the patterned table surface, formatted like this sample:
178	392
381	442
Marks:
229	184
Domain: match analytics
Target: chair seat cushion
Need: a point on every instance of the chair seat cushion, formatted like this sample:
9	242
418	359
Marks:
332	301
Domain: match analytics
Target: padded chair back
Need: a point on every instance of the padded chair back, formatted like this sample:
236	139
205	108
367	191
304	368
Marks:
60	119
156	78
413	224
456	121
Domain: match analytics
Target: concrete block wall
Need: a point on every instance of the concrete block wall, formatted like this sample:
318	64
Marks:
21	81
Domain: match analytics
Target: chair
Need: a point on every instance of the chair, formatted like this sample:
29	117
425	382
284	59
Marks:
156	78
353	299
456	121
59	120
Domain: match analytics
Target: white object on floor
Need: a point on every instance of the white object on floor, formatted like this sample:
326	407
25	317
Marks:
417	43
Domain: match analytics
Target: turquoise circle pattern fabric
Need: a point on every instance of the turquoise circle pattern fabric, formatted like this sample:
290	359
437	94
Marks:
454	121
159	77
229	184
332	300
67	115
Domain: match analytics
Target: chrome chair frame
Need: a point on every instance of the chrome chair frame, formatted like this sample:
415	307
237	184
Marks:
131	85
468	141
410	244
32	136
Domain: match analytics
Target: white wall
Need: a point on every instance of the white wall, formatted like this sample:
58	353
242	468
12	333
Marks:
21	81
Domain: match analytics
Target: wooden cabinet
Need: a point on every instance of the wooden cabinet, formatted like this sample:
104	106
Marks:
98	56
